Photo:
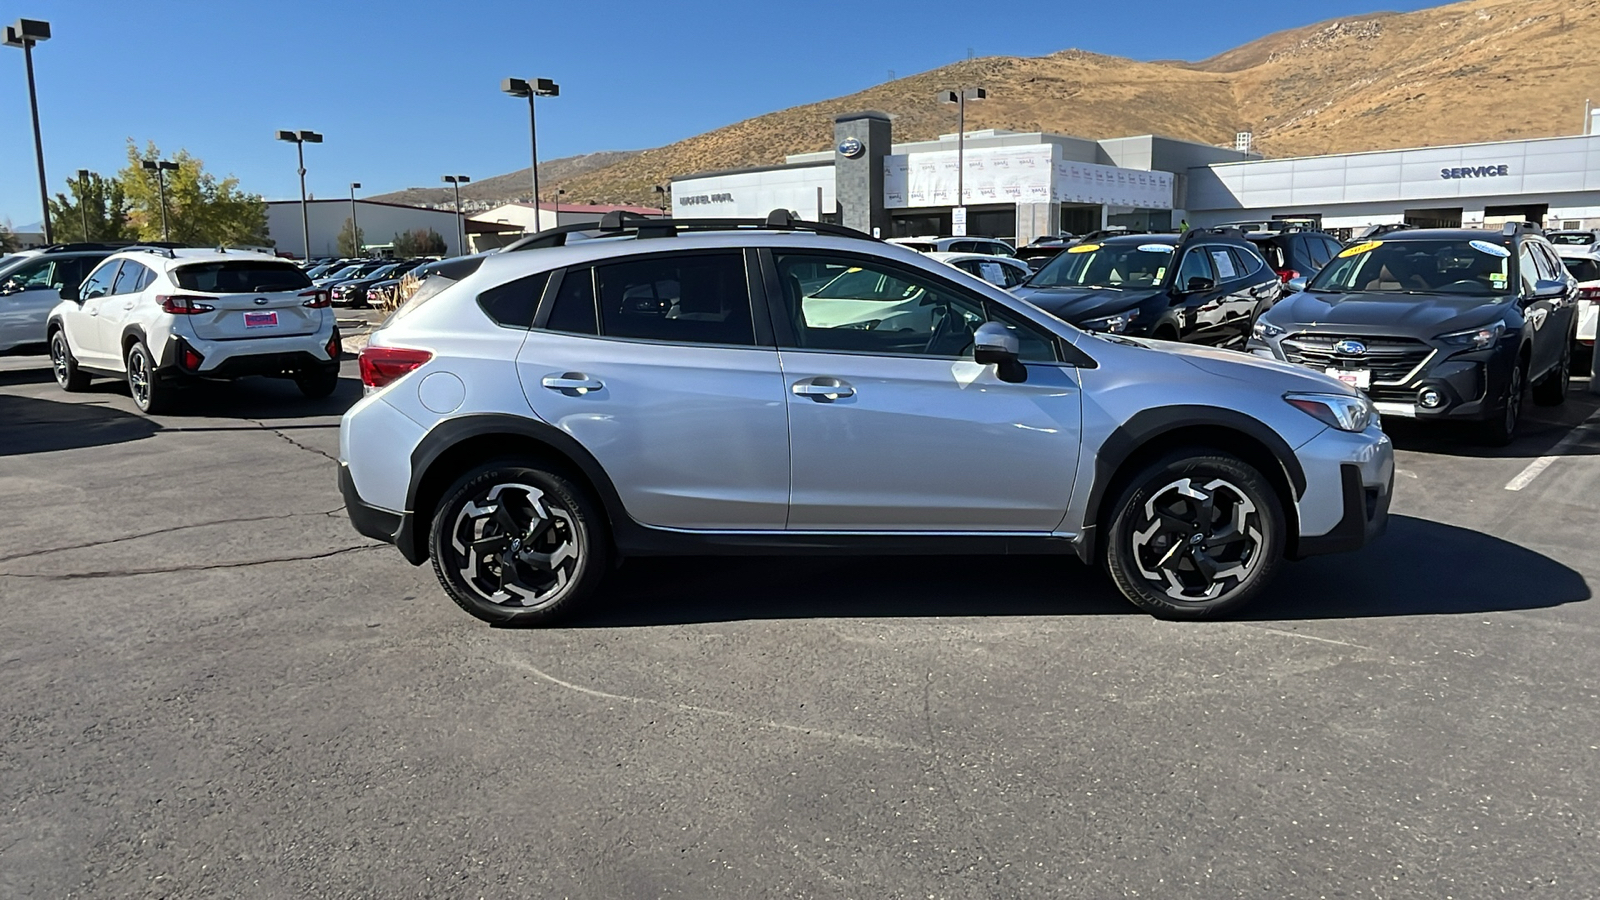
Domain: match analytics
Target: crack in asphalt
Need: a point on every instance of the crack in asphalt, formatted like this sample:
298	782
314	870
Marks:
144	534
205	567
291	440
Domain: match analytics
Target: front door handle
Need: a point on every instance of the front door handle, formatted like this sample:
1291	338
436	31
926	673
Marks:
573	384
823	389
128	305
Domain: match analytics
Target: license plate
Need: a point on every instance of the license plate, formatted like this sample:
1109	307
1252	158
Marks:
261	320
1356	378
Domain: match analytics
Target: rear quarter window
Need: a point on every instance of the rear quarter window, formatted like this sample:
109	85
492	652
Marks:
242	277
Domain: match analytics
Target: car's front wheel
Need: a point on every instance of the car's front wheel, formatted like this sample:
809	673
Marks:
65	364
518	545
1194	535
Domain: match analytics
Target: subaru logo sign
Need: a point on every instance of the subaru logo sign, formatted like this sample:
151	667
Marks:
850	148
261	301
1350	348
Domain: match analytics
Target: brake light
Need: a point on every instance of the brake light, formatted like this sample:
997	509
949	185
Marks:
184	305
382	365
317	299
1285	275
1589	293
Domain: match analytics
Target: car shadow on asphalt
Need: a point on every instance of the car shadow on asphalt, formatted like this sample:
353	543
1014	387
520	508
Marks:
33	425
261	398
1418	568
40	374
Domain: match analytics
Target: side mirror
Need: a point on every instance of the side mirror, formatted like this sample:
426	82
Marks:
1197	284
70	292
1296	285
11	286
1549	290
995	345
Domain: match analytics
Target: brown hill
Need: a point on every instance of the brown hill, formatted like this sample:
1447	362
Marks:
490	192
1472	71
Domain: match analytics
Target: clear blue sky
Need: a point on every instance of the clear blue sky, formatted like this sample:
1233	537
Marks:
406	90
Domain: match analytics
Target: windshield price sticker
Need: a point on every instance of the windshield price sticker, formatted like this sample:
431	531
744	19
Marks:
1494	250
1359	249
1084	248
1155	248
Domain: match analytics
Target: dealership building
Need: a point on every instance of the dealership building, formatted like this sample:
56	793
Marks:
1019	186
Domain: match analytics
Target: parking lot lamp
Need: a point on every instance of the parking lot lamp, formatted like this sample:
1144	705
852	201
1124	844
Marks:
661	198
161	167
456	181
538	87
300	139
83	196
355	233
960	98
24	33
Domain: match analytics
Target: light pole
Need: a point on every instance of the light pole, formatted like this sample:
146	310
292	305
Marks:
661	196
300	139
456	181
960	98
355	232
25	33
538	87
83	200
161	167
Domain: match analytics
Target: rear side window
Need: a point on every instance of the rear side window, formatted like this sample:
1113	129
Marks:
1248	263
242	277
700	298
574	307
1272	252
513	304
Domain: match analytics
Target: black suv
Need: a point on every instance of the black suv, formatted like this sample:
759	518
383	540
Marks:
1293	253
1205	286
1437	324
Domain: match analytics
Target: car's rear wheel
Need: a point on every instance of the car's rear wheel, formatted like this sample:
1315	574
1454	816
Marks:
148	392
1194	535
518	545
1501	429
318	382
65	364
1552	391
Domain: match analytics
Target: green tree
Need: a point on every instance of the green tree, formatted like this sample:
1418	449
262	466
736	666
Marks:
351	244
419	242
202	209
104	202
8	239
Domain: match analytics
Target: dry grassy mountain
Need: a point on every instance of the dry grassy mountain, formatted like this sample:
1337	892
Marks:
1472	71
553	175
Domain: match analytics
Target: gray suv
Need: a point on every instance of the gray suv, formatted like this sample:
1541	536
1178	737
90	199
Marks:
703	387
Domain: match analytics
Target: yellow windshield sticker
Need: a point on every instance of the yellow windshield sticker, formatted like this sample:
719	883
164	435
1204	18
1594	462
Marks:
852	270
1359	249
1084	248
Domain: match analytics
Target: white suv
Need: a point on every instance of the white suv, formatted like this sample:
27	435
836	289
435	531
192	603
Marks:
157	317
713	387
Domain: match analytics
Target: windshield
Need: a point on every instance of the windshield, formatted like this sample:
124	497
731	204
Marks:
859	284
1582	268
1117	265
1419	267
1571	239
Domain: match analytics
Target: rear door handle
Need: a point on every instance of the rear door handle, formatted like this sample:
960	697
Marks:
572	383
823	389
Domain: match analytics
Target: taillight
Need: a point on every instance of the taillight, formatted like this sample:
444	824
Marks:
335	345
191	359
183	305
382	365
1285	275
1589	293
317	299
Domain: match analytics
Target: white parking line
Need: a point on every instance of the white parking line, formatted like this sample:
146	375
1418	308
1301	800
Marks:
1577	434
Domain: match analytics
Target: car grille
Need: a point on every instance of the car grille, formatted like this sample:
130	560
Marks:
1390	359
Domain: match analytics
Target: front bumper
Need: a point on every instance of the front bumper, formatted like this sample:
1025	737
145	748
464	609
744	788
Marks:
1349	485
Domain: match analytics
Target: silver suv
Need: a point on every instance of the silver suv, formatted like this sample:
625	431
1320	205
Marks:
703	387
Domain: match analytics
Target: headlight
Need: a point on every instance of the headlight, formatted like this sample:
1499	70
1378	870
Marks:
1475	338
1266	331
1345	412
1116	324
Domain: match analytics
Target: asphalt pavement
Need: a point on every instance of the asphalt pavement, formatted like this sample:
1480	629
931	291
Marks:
210	685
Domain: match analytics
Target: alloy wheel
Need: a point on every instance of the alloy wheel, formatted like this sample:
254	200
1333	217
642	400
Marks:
58	357
1196	541
1514	400
516	546
139	378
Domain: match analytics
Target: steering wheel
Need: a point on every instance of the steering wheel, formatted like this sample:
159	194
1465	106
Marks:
948	325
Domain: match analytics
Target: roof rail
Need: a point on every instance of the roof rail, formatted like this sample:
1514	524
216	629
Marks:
1215	230
145	248
618	223
87	245
1514	228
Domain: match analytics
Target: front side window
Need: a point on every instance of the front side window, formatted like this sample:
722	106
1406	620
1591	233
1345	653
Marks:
1195	265
98	284
868	307
33	275
1223	262
129	279
1449	266
1124	264
687	298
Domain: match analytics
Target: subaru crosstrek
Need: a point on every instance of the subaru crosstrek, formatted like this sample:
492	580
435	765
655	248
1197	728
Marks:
739	386
1437	324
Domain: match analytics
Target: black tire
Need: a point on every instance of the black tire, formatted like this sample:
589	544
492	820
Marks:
317	383
149	393
71	379
1552	391
1501	429
470	540
1195	535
